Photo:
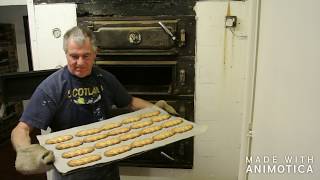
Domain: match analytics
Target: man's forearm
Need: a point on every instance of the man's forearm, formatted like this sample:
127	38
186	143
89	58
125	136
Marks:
138	103
20	135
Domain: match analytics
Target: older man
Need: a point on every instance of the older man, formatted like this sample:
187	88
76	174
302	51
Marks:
75	95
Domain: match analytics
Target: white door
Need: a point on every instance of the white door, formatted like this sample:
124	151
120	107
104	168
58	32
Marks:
48	23
51	21
286	116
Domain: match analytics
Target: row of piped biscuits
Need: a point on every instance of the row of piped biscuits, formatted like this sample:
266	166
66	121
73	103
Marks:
123	137
124	148
92	135
110	126
136	143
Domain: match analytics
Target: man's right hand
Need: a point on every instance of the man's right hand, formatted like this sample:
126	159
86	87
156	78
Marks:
33	159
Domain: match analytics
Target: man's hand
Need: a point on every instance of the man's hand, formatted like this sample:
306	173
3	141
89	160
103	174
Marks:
165	106
33	159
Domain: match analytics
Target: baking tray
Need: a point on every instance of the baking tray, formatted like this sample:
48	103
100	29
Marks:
61	163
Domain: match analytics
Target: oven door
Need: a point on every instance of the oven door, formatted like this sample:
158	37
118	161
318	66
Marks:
135	37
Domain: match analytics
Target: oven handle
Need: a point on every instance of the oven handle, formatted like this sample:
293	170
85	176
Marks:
167	31
167	156
136	62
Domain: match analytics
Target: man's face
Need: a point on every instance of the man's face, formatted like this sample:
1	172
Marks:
80	58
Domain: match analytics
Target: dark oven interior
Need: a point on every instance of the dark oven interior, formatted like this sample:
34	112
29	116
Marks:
153	77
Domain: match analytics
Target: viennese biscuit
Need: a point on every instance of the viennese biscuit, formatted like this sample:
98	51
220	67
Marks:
149	114
151	129
109	126
118	131
131	135
160	117
141	124
117	150
182	129
141	142
172	123
88	132
77	152
69	144
131	120
163	135
107	143
59	139
84	160
95	137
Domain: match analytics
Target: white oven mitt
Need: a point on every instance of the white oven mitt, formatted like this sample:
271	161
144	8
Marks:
165	106
33	159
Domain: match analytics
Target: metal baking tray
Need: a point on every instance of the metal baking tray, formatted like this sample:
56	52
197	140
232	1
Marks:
61	163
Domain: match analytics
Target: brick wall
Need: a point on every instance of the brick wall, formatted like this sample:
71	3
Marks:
8	52
8	63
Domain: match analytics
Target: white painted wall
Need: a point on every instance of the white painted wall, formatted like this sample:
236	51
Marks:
14	15
222	70
287	101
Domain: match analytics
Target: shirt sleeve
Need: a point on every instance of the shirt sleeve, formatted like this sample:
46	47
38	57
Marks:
39	111
121	95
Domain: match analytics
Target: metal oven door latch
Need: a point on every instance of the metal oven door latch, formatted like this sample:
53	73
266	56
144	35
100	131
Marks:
182	38
182	77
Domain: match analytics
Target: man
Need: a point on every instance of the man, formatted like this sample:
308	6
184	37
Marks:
77	94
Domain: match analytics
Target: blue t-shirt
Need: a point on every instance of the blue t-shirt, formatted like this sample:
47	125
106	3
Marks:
64	101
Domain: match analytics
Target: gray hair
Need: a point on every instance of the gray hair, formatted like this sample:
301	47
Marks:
79	34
